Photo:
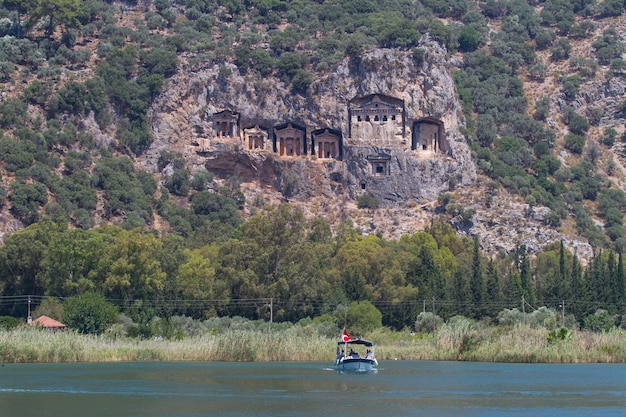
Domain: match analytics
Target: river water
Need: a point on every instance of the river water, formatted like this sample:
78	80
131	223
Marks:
398	388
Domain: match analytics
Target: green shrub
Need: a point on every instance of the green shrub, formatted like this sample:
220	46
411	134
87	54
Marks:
201	179
26	200
8	322
428	323
289	184
600	321
89	313
574	143
560	50
178	183
561	335
469	39
367	201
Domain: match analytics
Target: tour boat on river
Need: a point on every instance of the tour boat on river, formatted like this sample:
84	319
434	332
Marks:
350	360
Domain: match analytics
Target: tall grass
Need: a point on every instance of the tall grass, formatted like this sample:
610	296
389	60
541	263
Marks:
457	341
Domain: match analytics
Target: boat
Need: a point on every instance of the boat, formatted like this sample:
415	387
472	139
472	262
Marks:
350	360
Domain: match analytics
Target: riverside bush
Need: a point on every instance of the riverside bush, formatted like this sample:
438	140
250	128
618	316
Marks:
428	323
89	313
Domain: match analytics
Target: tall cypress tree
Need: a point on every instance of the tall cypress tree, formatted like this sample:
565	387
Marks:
477	282
565	287
525	275
604	282
514	288
459	289
611	264
495	296
621	283
577	289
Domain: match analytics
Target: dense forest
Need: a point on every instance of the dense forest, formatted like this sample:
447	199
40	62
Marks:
92	214
278	265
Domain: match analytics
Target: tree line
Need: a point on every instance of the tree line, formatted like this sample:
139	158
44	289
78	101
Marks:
303	269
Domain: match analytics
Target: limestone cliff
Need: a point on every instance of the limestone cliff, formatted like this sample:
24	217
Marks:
386	164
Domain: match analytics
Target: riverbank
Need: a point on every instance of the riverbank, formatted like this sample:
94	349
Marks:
519	344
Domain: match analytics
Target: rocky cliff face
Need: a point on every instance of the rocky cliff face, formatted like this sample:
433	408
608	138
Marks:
411	179
182	122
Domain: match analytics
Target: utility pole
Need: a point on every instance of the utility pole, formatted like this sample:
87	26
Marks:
562	313
523	310
271	310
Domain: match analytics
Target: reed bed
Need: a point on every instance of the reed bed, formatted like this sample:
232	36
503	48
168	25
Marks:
516	344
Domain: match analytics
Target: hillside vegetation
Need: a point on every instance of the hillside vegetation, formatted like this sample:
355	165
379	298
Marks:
541	84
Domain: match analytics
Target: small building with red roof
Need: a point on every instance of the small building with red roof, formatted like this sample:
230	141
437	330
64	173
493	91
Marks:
48	323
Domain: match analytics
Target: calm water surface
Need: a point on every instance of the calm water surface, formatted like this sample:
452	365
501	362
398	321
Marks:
399	388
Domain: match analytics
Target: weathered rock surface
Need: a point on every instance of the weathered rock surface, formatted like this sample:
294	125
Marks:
181	121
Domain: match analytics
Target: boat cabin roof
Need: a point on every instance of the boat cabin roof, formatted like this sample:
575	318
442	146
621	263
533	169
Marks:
356	342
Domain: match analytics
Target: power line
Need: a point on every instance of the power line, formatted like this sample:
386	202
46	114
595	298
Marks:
315	304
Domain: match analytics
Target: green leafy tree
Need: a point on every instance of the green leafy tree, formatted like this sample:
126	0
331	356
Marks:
608	46
134	272
561	50
201	179
427	322
26	200
620	280
469	39
73	263
178	183
611	8
20	7
215	207
363	317
574	143
20	262
353	285
196	278
600	321
63	12
89	313
50	307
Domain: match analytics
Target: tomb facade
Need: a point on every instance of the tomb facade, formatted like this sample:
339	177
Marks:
290	140
327	143
256	138
226	124
374	120
377	119
380	164
429	135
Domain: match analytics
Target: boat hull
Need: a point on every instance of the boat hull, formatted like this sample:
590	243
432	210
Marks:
356	365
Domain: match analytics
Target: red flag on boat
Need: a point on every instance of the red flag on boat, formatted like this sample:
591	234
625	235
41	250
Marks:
346	337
